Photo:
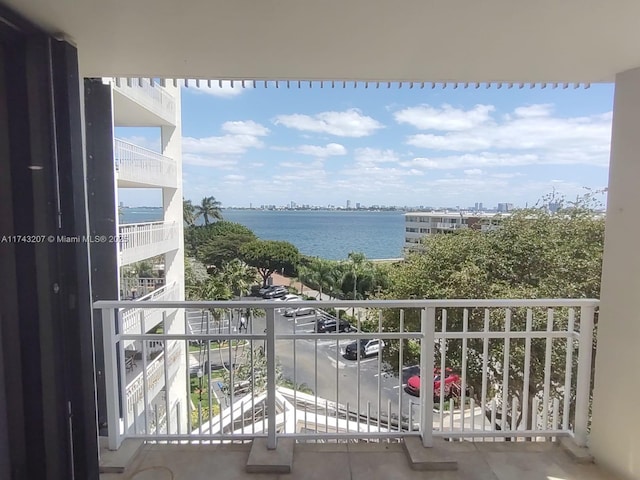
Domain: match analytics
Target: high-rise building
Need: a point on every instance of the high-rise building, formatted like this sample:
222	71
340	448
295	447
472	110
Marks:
348	204
505	207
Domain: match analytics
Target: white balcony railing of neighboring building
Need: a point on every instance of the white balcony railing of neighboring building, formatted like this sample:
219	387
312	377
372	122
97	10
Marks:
523	371
152	379
139	165
150	95
135	287
139	241
141	320
450	226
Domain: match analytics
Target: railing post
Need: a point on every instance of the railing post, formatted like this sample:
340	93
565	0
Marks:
428	323
583	387
111	377
271	380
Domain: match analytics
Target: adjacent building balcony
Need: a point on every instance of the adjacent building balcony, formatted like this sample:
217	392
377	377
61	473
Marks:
139	241
139	102
141	320
138	167
504	377
148	376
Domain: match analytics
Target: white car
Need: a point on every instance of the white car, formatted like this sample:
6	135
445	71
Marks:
289	298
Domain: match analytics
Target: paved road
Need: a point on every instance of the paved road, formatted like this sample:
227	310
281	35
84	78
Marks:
334	377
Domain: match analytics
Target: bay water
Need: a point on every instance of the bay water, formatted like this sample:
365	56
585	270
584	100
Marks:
329	234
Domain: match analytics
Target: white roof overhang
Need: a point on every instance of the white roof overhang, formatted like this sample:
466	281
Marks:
570	41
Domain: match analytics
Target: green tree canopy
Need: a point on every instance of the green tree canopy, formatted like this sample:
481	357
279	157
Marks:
269	256
218	242
533	254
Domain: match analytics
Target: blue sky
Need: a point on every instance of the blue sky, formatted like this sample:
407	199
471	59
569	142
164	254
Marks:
387	146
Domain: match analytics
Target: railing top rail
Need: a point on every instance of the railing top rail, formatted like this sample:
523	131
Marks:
157	291
119	141
145	224
425	303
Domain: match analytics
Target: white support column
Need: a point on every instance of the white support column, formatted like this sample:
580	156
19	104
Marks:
614	438
171	137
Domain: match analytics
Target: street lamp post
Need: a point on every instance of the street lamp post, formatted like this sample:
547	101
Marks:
200	374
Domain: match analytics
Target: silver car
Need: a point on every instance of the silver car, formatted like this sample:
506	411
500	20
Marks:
297	312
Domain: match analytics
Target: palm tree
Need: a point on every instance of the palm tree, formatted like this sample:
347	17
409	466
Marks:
238	276
209	208
188	212
324	274
357	264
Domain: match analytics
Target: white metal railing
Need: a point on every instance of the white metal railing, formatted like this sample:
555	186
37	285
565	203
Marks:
132	288
450	226
141	320
150	382
519	369
140	165
139	241
149	94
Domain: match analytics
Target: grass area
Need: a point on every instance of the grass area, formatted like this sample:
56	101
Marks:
200	393
215	344
301	387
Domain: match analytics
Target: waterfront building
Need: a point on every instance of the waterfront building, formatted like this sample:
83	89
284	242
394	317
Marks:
418	225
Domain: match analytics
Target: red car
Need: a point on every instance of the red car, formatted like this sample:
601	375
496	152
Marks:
452	385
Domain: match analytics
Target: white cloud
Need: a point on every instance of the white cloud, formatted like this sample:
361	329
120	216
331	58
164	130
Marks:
217	89
226	144
234	178
350	123
473	171
248	127
218	151
539	110
330	150
448	118
223	151
375	155
532	131
471	161
208	161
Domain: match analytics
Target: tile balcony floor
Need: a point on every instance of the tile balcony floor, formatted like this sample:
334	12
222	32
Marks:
362	461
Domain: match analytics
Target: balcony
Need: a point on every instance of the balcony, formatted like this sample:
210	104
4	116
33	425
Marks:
139	167
523	372
146	380
139	241
142	103
141	320
449	226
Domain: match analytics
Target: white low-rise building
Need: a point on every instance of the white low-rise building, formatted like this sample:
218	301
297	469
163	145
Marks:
418	225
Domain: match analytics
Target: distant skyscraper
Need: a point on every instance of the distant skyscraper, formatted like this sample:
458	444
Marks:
358	205
348	204
505	207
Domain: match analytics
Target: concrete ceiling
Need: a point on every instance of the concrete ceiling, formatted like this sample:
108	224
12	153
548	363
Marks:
376	40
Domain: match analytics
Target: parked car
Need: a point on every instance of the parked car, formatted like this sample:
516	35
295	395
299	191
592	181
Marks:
328	324
367	347
276	292
452	385
290	297
297	312
264	290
